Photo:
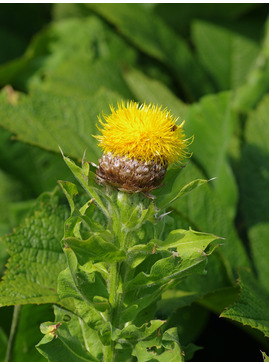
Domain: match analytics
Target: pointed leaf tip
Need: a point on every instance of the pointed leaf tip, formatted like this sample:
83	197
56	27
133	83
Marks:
61	151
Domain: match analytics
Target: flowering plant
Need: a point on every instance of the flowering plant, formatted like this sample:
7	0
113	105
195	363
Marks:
61	67
121	257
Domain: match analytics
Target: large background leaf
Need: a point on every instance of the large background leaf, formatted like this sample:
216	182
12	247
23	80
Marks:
226	53
50	121
36	257
153	37
252	307
254	181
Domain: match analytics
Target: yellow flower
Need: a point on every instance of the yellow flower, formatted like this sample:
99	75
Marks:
143	132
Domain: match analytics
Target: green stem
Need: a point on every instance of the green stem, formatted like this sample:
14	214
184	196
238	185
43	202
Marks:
114	284
109	352
14	324
114	298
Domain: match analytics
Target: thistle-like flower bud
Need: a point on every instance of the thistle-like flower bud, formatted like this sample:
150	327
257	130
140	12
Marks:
139	142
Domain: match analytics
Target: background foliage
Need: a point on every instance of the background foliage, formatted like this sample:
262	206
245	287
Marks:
62	65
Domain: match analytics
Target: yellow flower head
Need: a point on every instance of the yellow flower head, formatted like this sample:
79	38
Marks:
143	132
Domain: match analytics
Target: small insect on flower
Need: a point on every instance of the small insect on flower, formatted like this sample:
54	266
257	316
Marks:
139	142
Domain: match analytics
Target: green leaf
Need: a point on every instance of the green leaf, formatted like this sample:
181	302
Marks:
70	190
190	320
252	307
76	281
216	301
151	90
84	330
65	51
63	348
191	250
10	193
254	183
95	249
79	77
203	211
87	180
164	349
189	244
231	51
132	332
212	123
36	254
31	171
88	214
265	357
136	303
164	200
138	253
156	263
149	34
49	121
73	339
256	85
134	210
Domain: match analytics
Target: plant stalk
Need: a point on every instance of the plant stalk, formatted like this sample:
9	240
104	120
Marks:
14	325
109	350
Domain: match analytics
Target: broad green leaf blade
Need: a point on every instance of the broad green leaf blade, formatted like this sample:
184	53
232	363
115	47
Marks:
149	34
162	272
212	122
84	288
86	281
95	249
64	348
161	349
220	299
78	56
172	346
189	244
254	183
132	332
138	253
10	193
159	262
137	304
32	170
81	329
191	251
36	257
226	53
252	307
256	85
49	121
